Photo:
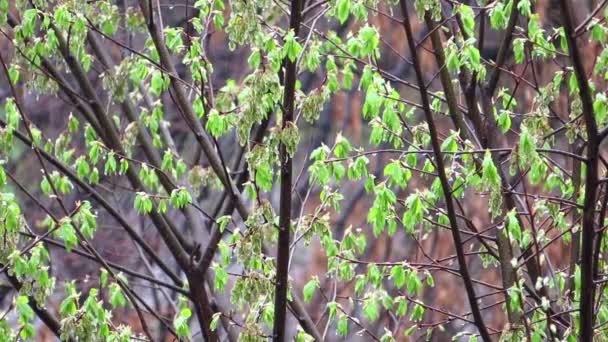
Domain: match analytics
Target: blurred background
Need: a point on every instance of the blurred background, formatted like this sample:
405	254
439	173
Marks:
341	115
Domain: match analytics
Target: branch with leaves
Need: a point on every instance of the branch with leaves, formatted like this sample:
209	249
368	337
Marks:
306	170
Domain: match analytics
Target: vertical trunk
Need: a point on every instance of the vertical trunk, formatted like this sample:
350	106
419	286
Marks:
282	273
591	179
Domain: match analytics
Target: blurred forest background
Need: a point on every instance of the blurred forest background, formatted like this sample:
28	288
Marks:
341	115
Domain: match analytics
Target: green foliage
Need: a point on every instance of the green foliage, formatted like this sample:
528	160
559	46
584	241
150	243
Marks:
468	19
26	314
143	203
309	288
180	322
183	119
291	48
180	198
343	10
382	209
414	213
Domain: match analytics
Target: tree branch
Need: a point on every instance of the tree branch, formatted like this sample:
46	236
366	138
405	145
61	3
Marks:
591	179
443	178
